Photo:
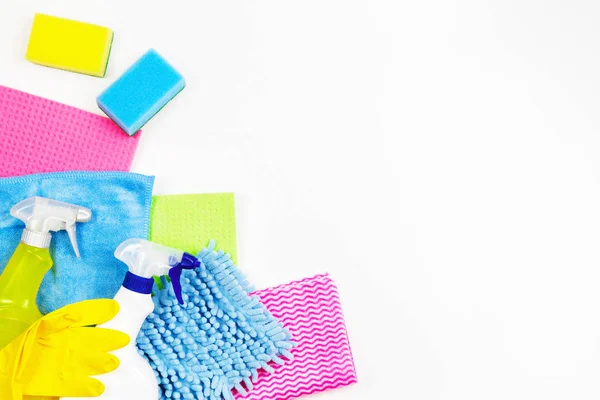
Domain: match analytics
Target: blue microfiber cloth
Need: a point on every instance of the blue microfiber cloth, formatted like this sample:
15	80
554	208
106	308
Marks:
218	340
120	204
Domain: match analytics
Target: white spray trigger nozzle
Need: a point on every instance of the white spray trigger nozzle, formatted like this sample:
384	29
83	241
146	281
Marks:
71	231
42	216
147	259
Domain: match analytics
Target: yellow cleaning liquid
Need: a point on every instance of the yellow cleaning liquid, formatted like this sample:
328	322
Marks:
19	285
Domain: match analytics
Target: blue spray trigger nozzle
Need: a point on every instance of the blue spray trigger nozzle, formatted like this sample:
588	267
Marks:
146	259
189	262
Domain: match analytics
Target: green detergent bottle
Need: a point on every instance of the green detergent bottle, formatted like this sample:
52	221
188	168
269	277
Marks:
22	277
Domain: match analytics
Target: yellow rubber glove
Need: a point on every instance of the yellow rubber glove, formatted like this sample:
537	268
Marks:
57	355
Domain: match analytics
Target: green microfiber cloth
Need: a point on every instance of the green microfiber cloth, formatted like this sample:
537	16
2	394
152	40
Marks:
189	221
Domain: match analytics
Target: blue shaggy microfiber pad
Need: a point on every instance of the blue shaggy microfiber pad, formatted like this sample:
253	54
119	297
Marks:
120	204
218	340
145	88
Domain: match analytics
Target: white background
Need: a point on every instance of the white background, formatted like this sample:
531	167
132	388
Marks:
438	157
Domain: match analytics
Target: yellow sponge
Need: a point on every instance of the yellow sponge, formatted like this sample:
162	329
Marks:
69	45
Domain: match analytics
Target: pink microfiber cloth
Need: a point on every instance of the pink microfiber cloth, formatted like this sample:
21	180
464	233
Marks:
312	312
41	135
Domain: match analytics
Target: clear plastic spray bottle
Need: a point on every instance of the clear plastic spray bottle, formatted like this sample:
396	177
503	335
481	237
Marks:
22	277
135	379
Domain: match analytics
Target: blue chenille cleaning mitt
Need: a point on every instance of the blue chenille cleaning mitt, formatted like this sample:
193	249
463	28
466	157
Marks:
120	204
218	340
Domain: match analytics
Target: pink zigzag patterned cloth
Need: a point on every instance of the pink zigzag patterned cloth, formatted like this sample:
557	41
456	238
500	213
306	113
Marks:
311	310
41	135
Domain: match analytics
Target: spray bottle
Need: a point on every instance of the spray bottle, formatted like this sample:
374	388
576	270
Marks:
22	277
135	379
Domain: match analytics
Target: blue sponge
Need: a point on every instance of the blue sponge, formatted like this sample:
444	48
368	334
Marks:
145	88
218	341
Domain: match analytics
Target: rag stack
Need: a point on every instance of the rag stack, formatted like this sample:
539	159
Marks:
310	310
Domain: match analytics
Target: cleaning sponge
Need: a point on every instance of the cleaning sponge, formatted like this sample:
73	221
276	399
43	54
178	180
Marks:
219	341
145	88
69	45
